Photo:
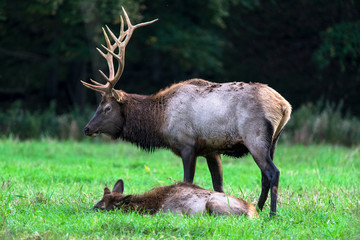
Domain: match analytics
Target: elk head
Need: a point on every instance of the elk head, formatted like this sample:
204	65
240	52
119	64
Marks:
108	118
113	199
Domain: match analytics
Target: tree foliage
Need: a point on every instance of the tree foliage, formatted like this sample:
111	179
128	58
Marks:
340	44
303	49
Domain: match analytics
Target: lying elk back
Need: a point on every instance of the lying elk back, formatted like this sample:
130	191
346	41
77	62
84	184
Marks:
180	198
194	118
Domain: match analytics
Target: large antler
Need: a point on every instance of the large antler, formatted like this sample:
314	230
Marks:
119	42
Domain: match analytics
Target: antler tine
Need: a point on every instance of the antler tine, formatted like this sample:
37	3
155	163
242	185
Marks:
116	40
108	57
108	43
99	88
104	76
123	40
121	55
121	43
131	27
113	79
109	61
145	23
95	82
101	53
122	34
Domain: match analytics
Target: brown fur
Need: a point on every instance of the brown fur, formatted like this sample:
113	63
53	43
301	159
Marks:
169	91
154	200
143	129
201	118
194	118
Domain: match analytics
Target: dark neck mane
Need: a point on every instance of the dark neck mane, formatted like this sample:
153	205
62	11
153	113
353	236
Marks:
143	120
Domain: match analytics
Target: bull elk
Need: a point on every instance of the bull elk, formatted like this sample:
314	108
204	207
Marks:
180	198
193	118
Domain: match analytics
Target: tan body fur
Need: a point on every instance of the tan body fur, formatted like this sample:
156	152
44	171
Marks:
200	118
216	117
179	198
192	118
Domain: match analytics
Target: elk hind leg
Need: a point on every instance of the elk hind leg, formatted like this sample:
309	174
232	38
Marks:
215	208
270	173
265	183
265	187
270	180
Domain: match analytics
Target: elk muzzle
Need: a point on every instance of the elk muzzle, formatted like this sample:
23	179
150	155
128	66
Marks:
90	132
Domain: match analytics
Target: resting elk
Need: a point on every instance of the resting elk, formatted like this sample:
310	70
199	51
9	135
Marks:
181	198
193	118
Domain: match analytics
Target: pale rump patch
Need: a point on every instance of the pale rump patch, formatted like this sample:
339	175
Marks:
192	118
277	110
200	118
223	116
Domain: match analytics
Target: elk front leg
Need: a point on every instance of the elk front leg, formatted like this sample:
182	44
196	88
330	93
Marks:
215	167
189	162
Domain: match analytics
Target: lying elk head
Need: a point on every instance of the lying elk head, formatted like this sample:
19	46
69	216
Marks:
107	118
114	198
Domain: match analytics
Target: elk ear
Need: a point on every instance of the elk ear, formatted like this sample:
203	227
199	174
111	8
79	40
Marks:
106	190
118	95
123	200
119	186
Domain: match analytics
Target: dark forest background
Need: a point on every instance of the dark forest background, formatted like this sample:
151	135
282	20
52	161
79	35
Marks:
308	50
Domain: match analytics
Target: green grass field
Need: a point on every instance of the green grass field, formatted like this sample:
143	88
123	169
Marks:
47	189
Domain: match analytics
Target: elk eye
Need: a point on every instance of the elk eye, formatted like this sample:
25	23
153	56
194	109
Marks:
107	109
